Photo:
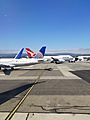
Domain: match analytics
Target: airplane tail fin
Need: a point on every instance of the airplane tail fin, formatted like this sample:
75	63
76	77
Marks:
30	53
19	54
41	52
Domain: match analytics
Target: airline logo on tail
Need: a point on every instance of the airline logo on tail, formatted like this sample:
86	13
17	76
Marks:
30	52
19	54
40	54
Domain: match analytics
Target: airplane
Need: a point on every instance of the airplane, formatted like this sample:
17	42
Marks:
53	59
9	64
58	58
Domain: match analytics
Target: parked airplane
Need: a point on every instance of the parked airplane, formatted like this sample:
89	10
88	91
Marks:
59	57
56	59
83	58
15	62
9	64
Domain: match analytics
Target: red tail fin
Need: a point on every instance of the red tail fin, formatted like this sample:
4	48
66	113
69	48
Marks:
30	52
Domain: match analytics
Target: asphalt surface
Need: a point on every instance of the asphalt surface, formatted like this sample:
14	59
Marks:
64	88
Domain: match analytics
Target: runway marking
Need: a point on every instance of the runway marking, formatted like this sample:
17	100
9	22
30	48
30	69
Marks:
18	77
55	69
10	115
59	77
66	72
2	74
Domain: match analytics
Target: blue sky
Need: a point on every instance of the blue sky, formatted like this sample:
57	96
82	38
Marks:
58	24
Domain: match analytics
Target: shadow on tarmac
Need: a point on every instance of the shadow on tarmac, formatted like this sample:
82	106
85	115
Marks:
84	74
22	69
5	96
8	72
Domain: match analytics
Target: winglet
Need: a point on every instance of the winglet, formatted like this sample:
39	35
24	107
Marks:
19	54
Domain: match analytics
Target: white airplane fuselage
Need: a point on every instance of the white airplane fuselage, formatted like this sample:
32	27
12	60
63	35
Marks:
17	62
60	57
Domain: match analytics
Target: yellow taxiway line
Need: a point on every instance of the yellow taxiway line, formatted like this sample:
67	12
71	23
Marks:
10	115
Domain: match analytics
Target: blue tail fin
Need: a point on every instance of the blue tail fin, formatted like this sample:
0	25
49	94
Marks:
41	52
19	54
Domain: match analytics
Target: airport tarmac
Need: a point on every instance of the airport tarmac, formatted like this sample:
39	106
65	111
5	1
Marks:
46	89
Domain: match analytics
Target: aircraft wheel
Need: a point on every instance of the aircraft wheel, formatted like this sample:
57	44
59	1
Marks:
12	68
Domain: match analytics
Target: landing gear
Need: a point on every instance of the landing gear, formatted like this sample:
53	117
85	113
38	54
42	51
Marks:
12	68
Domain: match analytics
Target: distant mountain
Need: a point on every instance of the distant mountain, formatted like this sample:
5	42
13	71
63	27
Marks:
74	51
8	51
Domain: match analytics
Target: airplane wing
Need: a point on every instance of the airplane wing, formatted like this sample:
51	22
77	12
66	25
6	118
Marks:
57	61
